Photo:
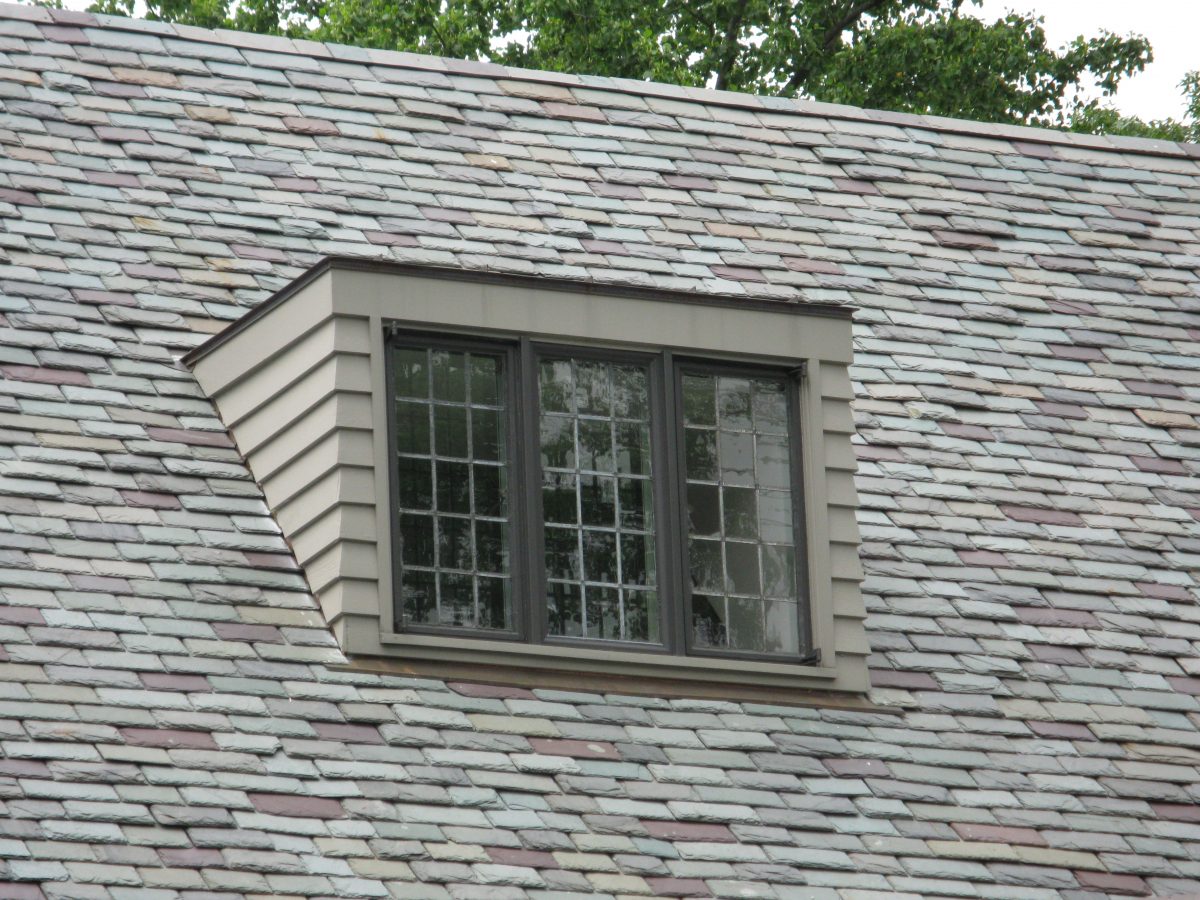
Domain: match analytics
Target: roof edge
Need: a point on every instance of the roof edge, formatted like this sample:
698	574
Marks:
404	60
449	273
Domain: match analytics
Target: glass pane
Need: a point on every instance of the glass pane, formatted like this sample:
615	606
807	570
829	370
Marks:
733	403
637	504
449	377
454	543
457	599
741	554
746	624
419	597
704	508
411	371
486	385
450	405
490	550
633	448
494	602
741	519
603	613
559	498
556	386
782	631
487	434
558	442
600	556
489	490
637	559
779	571
565	608
775	516
707	571
708	621
700	454
770	408
741	568
453	487
737	457
596	445
642	616
593	388
699	400
450	431
597	500
415	477
416	540
562	554
772	462
599	529
412	427
630	393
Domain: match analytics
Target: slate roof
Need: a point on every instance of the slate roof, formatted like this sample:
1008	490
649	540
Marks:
173	723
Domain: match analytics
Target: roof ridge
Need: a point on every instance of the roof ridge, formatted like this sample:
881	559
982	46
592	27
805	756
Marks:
708	96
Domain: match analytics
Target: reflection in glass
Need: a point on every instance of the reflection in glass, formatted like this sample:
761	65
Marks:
597	500
741	554
450	421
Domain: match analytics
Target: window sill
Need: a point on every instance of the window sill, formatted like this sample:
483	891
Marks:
598	671
587	668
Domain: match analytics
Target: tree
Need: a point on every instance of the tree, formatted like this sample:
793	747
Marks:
919	56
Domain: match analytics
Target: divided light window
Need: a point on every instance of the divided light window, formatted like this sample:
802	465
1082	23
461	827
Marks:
570	495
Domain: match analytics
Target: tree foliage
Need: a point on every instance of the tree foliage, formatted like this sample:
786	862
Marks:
922	56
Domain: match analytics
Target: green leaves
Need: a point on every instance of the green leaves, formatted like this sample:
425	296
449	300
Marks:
919	56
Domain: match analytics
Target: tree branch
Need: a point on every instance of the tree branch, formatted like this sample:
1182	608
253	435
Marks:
730	44
829	39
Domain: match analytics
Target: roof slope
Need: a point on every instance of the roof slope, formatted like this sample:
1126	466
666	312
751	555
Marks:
1028	388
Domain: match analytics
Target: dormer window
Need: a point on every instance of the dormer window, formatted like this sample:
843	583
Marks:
517	479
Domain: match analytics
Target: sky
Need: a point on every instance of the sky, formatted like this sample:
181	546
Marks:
1173	27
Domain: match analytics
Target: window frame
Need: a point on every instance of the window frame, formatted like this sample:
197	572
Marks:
665	369
467	344
792	377
539	610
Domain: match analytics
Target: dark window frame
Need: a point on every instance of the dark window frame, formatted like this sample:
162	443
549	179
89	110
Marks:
790	377
527	571
466	344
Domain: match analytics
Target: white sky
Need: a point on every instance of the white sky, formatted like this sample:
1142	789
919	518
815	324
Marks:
1173	27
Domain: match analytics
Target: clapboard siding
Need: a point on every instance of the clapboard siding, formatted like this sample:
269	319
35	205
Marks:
846	571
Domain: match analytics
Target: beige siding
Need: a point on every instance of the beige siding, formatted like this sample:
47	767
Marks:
301	388
846	572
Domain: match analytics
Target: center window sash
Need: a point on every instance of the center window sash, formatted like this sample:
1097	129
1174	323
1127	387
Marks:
599	461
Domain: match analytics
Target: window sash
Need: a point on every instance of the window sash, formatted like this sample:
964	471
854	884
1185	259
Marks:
532	356
527	566
514	514
790	379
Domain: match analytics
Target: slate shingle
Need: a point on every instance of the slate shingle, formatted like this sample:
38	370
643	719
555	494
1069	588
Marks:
1027	410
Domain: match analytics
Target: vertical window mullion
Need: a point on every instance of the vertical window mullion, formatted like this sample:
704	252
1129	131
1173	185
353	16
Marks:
672	529
527	463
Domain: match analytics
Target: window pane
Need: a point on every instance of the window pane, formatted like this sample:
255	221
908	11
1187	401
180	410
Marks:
741	547
599	531
451	421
